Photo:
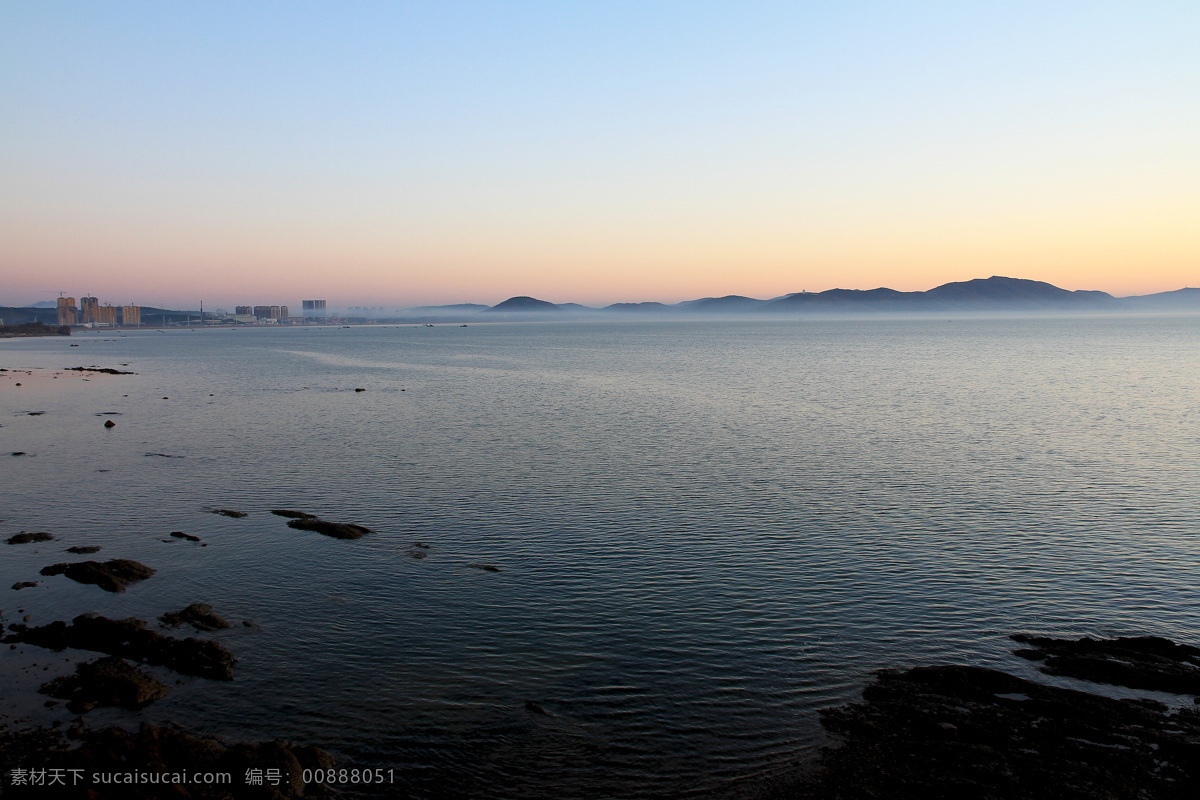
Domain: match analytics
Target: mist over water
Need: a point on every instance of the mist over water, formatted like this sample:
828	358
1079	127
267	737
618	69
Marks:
705	531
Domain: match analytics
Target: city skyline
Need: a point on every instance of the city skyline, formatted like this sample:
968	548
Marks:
466	152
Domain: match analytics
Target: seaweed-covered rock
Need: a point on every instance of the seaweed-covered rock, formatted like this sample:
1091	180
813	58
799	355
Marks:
24	585
27	538
338	530
108	681
111	576
128	638
199	615
84	550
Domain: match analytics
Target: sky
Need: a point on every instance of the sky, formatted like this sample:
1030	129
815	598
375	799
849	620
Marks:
421	153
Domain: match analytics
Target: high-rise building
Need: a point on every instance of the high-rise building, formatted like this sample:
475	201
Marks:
313	308
87	309
106	315
131	315
243	310
283	313
262	312
67	313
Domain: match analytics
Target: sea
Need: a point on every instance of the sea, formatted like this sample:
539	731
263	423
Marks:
701	533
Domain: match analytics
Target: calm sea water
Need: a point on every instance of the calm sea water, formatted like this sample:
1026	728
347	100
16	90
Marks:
705	531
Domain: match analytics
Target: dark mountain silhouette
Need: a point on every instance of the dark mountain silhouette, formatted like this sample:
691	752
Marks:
851	300
1178	300
523	305
997	290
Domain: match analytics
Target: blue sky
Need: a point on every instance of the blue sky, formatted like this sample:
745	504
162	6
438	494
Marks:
594	152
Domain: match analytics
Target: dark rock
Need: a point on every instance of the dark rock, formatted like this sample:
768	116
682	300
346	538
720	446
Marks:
485	567
128	638
111	576
284	512
108	423
199	615
84	550
1138	662
225	512
26	538
360	390
18	452
959	731
107	682
103	370
187	536
338	530
24	585
535	708
422	545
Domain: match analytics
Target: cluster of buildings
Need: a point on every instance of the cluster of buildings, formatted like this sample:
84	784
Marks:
313	310
260	314
91	313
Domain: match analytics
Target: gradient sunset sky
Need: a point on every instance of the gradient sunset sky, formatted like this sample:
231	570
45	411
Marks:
405	154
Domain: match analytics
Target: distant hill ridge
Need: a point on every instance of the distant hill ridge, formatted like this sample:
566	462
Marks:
994	293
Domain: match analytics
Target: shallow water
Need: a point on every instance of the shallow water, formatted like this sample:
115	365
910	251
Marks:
705	531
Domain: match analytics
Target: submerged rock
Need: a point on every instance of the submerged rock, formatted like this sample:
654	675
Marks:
181	535
287	512
109	681
225	512
199	615
26	538
111	576
128	638
1138	662
485	567
338	530
84	549
960	731
102	370
24	585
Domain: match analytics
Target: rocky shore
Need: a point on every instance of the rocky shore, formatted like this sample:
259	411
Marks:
79	755
962	731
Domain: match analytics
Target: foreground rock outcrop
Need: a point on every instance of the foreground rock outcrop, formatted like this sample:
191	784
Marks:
108	681
1139	662
111	576
199	615
970	732
128	638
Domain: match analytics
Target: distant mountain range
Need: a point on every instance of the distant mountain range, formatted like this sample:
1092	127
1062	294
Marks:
982	295
995	294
